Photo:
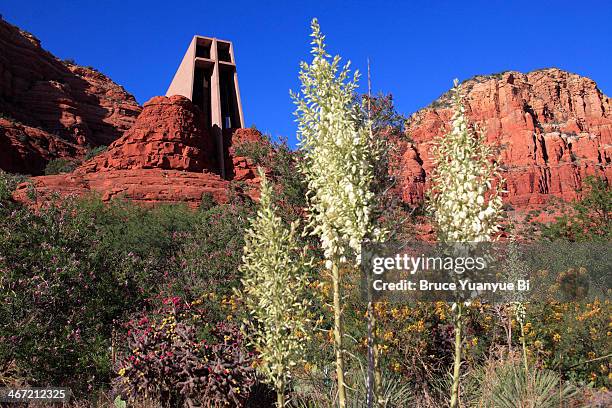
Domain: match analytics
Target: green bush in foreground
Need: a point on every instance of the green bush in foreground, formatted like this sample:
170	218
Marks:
8	183
71	269
61	293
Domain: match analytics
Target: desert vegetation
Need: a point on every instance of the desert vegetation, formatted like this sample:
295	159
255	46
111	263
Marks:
258	303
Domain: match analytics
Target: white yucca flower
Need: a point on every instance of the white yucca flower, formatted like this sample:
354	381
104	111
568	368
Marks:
464	205
275	291
339	153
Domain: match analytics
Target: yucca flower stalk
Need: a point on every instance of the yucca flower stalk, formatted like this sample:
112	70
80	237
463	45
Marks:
520	313
338	166
275	291
516	270
465	206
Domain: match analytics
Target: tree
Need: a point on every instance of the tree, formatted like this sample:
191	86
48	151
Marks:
465	206
275	292
589	219
338	165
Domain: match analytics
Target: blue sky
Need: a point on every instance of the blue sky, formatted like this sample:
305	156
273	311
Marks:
416	47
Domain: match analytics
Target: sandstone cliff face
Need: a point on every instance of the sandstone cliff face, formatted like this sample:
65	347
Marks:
166	157
552	129
68	104
26	149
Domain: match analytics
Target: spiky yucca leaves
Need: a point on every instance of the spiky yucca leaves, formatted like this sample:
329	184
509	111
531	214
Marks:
322	393
464	205
338	166
510	386
275	292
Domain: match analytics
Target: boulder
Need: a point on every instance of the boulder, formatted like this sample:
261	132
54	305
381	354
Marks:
169	134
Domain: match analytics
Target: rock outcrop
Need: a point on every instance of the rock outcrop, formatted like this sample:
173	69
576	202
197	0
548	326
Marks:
552	129
169	134
73	108
26	149
242	168
166	157
143	186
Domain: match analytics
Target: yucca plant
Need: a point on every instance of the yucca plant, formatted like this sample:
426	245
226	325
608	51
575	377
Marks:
274	289
515	270
465	207
510	386
338	166
322	392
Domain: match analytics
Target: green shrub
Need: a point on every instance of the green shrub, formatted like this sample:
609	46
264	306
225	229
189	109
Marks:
68	271
281	162
212	252
590	218
257	151
59	166
383	113
571	338
60	296
207	201
8	183
93	152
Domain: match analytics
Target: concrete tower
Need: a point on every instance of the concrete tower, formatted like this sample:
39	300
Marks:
207	76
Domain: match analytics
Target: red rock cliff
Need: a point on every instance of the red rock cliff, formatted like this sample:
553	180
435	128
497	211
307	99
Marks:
553	128
53	108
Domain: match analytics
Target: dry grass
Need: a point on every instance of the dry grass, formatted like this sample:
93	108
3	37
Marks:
103	402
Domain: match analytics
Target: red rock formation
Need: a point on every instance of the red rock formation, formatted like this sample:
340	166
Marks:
553	129
242	168
106	107
163	158
169	134
71	104
24	149
143	186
